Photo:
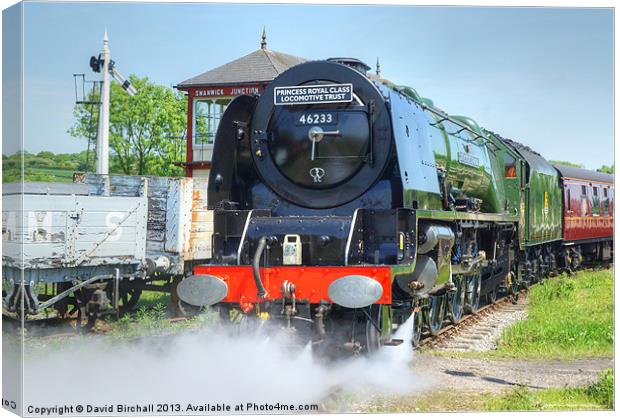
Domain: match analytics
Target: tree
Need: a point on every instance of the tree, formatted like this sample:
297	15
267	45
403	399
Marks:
147	131
46	154
569	164
607	169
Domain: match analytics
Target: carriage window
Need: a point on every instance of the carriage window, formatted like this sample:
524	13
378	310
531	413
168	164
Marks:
584	201
595	201
568	205
605	202
510	167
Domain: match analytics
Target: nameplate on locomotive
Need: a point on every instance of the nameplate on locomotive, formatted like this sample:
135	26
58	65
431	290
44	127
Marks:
315	94
468	159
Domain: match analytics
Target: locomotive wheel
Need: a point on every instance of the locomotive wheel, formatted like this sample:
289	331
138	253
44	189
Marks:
435	313
239	323
472	293
513	288
416	335
187	310
456	300
234	319
373	335
491	297
224	313
371	339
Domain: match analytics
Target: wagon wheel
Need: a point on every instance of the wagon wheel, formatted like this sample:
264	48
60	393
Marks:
62	306
553	266
85	320
456	301
16	300
435	313
567	262
542	270
75	306
416	335
575	261
533	272
129	293
85	326
472	293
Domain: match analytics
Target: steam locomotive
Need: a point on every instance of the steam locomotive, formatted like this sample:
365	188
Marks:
344	204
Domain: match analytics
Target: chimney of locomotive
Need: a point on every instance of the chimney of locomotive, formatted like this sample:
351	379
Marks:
354	63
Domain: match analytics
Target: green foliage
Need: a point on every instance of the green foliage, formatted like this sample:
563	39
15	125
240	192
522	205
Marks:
567	163
44	166
599	395
603	389
562	288
568	317
519	399
151	316
607	169
147	131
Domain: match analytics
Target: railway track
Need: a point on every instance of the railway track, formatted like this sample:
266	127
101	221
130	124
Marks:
48	327
486	319
487	322
52	327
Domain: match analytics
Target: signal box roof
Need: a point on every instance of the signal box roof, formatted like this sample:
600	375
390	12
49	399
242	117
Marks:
260	66
583	174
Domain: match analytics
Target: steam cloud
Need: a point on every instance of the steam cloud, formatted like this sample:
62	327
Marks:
208	367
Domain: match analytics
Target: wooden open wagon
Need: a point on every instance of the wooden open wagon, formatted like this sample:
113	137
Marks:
93	246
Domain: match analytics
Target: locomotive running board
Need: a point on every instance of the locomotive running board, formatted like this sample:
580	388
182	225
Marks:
393	343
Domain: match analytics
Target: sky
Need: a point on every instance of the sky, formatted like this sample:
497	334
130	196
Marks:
542	76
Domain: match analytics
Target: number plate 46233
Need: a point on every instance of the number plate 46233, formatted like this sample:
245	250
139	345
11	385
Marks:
313	118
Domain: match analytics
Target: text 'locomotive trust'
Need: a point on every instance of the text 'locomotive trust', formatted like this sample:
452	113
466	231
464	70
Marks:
326	93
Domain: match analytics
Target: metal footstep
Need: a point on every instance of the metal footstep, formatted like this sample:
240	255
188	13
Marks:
393	343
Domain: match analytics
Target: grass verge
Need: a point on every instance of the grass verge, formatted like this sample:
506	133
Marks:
568	317
599	395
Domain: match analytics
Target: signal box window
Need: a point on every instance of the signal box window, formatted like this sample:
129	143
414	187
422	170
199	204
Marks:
207	115
510	167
